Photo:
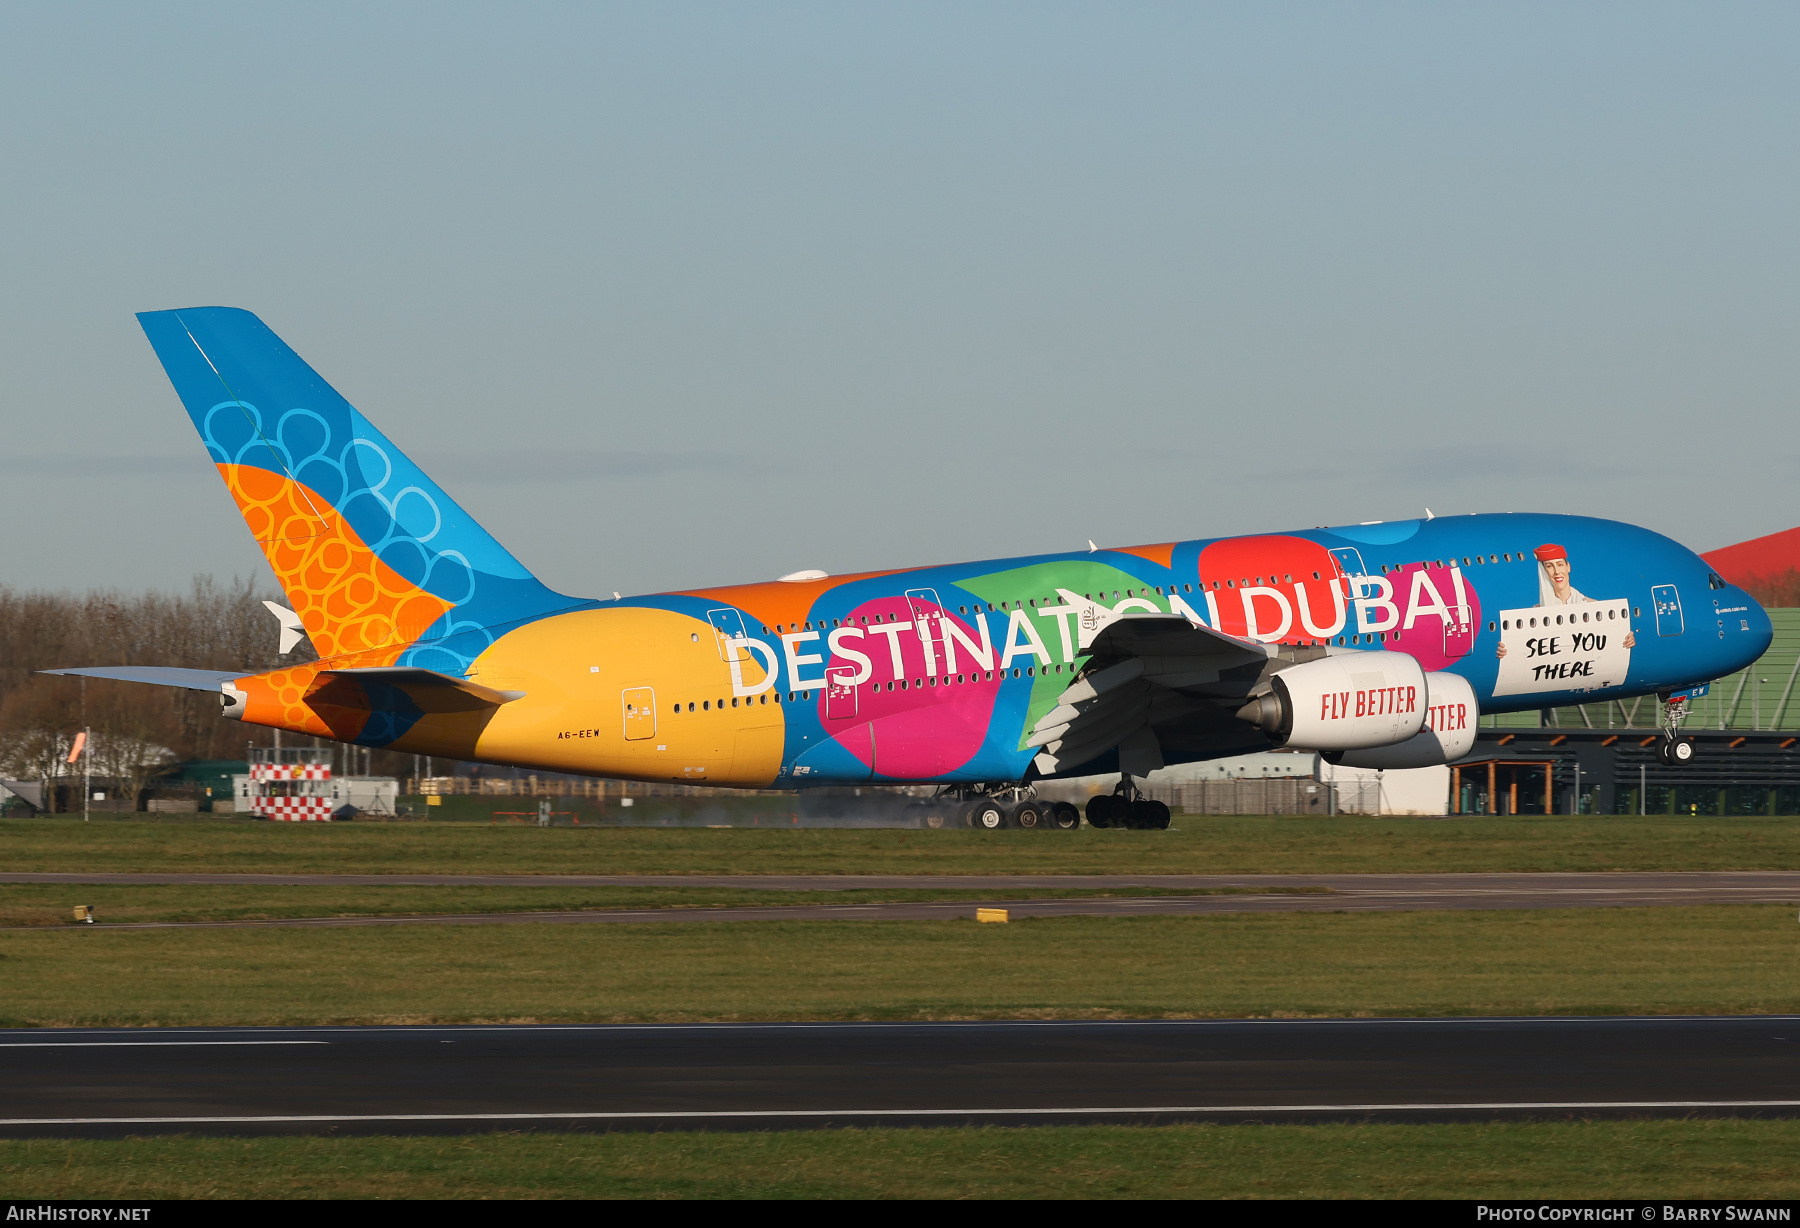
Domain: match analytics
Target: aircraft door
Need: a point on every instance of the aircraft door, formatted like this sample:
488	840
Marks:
1349	560
840	693
927	613
640	712
1668	609
730	626
1459	633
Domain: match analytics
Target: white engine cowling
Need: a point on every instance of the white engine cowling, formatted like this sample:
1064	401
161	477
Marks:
1451	719
1345	702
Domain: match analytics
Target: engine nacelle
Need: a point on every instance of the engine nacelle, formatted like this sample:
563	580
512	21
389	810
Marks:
1345	702
1451	719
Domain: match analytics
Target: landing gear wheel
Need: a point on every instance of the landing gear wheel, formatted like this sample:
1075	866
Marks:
1147	815
1662	752
935	820
987	816
1681	752
1101	811
1064	817
1030	816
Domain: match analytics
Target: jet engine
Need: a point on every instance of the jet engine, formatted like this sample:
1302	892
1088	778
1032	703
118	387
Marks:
1451	717
1346	702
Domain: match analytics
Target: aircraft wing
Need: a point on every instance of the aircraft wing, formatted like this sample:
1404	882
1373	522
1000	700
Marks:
427	689
1153	668
157	675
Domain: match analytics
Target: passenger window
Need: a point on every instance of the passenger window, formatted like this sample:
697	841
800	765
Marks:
1490	626
705	704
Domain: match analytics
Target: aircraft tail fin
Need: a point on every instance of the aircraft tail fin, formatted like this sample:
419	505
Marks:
374	557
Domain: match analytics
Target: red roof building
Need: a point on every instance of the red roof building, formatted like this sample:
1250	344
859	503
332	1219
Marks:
1767	567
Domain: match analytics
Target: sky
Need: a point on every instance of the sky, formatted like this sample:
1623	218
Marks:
682	295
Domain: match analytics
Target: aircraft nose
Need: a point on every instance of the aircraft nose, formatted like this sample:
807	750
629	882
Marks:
1744	625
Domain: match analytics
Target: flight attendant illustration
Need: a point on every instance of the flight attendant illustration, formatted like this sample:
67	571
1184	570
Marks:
1554	587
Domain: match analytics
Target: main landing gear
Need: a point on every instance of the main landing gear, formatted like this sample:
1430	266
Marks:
1674	750
990	807
1126	806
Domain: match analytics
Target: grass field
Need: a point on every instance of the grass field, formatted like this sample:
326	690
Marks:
53	904
1719	959
1197	844
1547	1160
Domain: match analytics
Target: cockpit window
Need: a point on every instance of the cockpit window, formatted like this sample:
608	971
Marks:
1713	581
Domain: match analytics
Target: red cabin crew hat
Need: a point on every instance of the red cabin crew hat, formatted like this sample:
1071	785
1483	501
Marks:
1546	552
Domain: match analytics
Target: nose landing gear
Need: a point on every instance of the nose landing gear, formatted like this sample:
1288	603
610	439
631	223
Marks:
1675	750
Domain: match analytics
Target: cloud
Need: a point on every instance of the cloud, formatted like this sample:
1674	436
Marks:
578	465
520	465
66	465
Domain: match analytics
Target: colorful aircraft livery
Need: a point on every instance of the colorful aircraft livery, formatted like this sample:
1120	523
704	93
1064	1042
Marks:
1375	643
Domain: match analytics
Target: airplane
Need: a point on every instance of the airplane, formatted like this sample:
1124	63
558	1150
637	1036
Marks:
1378	644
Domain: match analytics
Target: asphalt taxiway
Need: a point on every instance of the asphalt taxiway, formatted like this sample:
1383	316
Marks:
1250	893
59	1082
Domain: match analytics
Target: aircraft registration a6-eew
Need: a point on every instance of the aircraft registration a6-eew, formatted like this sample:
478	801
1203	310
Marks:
1378	645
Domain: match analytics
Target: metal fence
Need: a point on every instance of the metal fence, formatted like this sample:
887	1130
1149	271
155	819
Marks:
1282	795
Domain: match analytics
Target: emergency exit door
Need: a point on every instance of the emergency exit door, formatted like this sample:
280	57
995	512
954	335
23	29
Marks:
640	712
840	693
1667	602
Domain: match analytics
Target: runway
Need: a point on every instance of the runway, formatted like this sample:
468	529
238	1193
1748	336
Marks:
1342	893
800	1075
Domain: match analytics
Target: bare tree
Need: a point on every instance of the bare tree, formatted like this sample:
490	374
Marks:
135	727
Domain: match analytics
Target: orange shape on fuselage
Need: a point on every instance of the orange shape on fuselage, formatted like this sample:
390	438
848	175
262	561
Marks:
774	602
1162	555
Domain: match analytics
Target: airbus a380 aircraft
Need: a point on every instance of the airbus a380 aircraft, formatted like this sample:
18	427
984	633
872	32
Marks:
1379	644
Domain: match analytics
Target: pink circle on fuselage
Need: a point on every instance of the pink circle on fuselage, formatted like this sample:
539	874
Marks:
923	722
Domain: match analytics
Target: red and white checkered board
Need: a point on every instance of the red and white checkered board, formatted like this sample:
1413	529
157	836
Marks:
293	809
290	771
